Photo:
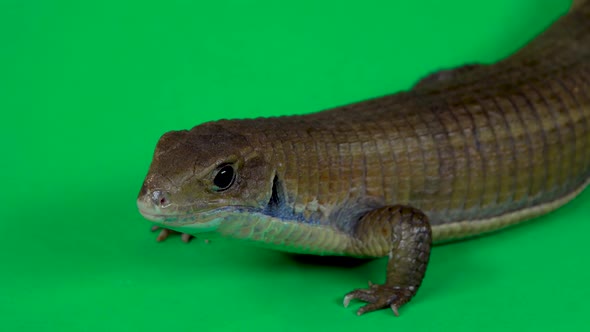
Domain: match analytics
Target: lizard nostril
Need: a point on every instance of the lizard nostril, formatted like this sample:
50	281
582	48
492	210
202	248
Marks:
160	198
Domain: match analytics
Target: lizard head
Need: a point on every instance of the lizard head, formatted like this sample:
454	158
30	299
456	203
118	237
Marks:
198	178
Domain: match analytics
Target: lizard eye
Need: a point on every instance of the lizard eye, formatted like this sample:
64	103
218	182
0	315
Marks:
224	178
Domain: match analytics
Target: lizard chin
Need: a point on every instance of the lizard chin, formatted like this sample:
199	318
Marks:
187	222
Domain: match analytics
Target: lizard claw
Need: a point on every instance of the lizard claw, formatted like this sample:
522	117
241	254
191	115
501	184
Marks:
165	233
379	297
186	238
360	294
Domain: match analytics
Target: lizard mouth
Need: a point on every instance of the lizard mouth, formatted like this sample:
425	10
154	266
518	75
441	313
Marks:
202	220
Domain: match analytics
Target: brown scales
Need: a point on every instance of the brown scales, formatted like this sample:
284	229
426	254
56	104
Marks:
465	152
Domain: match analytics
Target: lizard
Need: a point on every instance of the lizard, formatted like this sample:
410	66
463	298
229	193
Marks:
464	152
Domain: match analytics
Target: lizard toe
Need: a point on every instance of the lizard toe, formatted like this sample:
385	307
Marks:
165	233
380	297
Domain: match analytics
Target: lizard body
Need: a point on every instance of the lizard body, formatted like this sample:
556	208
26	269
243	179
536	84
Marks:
465	152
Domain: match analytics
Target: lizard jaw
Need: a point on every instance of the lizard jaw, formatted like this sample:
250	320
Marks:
197	222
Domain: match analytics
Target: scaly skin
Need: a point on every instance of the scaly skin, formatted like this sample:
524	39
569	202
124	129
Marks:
465	152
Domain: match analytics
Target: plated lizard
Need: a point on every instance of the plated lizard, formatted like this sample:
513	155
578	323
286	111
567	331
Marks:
465	152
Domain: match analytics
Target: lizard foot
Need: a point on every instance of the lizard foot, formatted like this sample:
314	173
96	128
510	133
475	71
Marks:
380	297
165	233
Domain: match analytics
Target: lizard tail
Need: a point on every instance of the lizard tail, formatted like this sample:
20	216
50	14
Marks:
579	4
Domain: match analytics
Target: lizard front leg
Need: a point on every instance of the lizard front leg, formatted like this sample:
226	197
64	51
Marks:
404	234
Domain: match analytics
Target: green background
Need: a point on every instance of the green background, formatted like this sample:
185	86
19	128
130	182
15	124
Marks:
86	89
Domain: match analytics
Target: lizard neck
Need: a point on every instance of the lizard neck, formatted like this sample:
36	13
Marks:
287	235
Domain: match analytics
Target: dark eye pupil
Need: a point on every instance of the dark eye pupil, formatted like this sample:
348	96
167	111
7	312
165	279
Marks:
224	178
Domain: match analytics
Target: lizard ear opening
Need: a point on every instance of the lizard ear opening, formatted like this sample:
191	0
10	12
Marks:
277	198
